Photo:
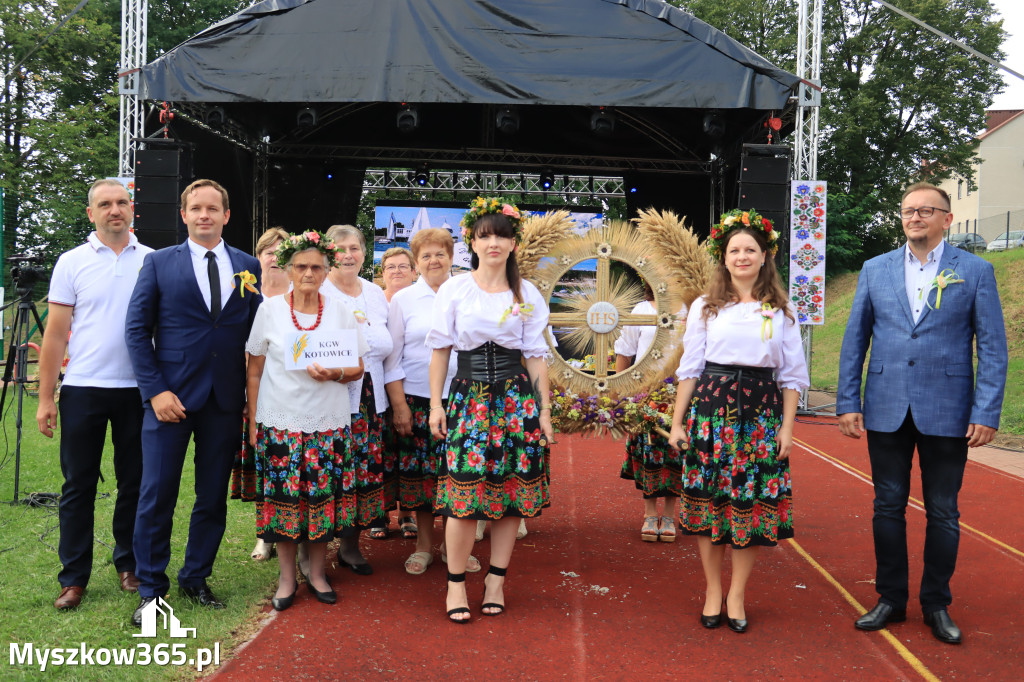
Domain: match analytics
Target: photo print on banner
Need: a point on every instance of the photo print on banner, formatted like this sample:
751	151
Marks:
808	204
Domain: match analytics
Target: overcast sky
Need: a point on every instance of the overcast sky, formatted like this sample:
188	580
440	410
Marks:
1012	12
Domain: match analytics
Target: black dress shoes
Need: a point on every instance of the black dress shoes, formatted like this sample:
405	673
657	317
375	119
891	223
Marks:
282	603
711	622
943	627
878	617
137	616
737	624
328	597
202	595
359	569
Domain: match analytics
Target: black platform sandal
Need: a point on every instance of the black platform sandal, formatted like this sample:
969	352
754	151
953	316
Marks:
458	578
500	572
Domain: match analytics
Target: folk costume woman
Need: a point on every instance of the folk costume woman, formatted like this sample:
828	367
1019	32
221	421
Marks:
372	465
407	373
739	383
301	426
493	463
655	468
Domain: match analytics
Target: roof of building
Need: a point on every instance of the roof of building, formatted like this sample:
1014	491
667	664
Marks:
997	118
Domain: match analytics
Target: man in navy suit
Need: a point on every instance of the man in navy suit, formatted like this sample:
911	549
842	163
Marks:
922	308
186	329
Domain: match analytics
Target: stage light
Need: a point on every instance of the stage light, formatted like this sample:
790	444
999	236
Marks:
421	176
507	120
632	190
330	171
547	179
602	121
306	118
713	125
408	118
215	117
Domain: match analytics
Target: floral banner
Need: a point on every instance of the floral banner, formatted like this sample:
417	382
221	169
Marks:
808	212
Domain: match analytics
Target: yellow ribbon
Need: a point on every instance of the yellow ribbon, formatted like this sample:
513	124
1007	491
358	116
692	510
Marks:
767	312
941	281
247	280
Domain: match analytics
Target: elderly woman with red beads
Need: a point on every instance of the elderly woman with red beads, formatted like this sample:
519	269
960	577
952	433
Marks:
300	428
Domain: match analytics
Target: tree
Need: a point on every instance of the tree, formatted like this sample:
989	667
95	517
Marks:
895	97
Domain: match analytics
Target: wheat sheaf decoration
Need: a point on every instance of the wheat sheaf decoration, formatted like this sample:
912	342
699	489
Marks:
685	259
540	234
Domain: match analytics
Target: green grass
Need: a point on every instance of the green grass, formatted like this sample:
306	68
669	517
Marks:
29	566
1009	269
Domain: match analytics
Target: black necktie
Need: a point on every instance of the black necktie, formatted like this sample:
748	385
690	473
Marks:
214	273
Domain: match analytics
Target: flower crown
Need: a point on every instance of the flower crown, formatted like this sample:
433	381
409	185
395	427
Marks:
481	206
311	239
736	219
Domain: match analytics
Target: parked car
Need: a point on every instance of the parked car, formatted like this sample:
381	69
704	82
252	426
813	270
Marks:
968	241
1007	240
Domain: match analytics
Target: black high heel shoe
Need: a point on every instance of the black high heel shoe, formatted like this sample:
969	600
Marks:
500	572
328	597
282	603
735	624
458	578
358	569
712	622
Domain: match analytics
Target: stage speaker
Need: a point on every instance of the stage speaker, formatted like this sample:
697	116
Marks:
764	178
161	175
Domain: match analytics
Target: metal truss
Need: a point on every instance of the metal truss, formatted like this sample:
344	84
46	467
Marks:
470	157
260	193
587	186
133	57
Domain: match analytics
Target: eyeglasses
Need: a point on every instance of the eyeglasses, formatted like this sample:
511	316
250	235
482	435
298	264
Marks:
401	268
301	268
924	211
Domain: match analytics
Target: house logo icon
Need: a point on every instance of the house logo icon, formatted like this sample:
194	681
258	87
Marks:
158	607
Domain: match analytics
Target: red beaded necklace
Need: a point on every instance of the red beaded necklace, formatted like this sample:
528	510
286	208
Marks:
319	312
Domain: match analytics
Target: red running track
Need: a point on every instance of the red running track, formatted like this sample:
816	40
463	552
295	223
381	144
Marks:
587	600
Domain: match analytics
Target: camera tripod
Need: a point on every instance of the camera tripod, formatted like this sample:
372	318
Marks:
17	365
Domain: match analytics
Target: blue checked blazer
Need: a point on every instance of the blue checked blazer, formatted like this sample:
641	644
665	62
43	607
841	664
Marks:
927	367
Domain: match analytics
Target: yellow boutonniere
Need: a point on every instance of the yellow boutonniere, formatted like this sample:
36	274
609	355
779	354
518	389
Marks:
941	281
247	280
515	310
767	313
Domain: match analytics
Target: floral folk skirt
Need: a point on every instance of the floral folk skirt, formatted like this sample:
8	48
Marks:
372	469
418	456
654	466
734	489
298	480
492	463
243	471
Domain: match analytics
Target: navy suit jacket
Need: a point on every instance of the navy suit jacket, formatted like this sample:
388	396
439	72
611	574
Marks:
174	343
927	367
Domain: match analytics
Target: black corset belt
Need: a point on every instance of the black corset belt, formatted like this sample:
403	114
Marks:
489	363
738	373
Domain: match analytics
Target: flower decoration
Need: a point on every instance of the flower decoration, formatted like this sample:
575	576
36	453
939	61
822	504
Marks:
604	250
481	206
640	262
634	414
665	320
767	313
521	310
637	375
566	260
310	239
735	219
601	385
941	281
656	354
662	288
246	280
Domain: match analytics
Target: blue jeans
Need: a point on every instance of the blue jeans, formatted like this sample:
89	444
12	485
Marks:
942	460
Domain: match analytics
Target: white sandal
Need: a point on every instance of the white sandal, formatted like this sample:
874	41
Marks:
472	563
521	533
480	526
262	551
423	559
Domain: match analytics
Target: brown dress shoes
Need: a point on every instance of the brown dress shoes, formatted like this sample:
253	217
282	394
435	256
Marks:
70	597
129	583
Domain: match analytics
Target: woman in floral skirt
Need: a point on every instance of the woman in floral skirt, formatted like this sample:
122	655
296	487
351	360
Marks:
300	429
498	415
739	383
655	468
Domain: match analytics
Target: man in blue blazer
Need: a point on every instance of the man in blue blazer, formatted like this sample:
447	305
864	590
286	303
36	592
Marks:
186	329
922	308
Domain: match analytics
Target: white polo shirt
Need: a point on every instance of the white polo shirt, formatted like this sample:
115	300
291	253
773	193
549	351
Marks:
98	284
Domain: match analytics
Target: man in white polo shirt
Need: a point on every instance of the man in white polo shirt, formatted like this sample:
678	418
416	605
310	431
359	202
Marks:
89	293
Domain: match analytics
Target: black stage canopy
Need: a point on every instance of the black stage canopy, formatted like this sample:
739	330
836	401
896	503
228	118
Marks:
303	84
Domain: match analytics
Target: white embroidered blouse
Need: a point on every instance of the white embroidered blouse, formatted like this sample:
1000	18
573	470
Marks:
373	305
733	337
466	317
636	339
291	399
